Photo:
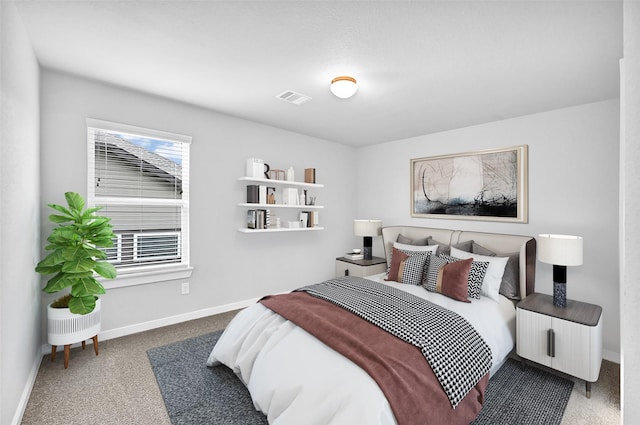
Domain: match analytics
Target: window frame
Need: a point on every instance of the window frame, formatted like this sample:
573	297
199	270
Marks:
142	274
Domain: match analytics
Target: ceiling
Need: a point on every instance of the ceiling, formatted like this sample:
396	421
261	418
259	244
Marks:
422	67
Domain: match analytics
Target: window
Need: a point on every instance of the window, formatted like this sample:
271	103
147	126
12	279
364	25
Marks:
140	178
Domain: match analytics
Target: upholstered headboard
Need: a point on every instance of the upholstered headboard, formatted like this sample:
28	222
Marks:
501	244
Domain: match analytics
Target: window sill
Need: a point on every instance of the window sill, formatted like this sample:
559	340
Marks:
150	275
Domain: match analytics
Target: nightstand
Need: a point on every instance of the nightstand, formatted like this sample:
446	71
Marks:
361	268
567	339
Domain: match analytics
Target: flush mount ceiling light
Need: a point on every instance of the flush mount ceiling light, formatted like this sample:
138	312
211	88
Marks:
344	87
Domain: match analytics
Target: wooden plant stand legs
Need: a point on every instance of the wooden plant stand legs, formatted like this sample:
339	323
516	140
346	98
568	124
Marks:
67	349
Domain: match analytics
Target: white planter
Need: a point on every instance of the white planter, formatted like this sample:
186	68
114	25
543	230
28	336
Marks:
66	328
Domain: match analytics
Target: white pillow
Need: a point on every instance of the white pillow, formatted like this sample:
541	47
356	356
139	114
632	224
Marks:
493	276
416	248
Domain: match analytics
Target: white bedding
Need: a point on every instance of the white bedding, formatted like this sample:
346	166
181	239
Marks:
296	379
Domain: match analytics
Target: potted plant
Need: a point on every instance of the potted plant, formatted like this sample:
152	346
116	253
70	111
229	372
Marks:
74	259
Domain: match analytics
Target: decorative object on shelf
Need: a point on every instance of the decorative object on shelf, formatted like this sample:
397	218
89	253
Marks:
290	174
277	174
255	168
309	175
560	251
290	196
488	185
275	221
367	229
344	87
253	193
271	195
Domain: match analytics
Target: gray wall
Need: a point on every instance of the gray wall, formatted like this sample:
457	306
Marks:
229	266
19	216
573	189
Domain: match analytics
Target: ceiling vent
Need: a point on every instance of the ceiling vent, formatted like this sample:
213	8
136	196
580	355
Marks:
292	97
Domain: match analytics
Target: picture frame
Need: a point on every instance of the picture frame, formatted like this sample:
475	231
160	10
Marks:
489	185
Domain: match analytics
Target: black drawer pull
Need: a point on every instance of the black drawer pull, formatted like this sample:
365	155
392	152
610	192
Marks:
551	343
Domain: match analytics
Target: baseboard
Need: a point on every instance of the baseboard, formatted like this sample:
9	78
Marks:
172	320
26	392
612	356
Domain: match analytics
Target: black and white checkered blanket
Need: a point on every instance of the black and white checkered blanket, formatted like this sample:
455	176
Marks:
456	352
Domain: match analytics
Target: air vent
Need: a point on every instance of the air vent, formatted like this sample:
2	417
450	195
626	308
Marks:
292	97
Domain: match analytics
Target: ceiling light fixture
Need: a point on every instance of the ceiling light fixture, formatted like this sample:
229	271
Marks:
344	87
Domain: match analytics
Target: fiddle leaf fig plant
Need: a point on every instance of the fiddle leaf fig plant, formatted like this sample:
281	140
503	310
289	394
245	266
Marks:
75	254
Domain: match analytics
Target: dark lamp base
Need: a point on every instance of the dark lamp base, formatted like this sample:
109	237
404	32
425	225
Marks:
367	246
560	294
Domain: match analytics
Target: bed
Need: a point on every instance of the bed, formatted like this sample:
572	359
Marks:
350	371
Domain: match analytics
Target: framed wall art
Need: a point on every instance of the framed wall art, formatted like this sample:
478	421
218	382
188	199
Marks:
487	185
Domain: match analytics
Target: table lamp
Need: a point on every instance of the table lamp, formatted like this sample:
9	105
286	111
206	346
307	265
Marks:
367	229
561	251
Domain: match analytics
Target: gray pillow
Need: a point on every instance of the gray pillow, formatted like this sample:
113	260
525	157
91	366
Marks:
408	241
479	249
445	249
510	285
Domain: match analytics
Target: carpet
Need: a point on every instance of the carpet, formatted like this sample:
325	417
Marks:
524	396
195	394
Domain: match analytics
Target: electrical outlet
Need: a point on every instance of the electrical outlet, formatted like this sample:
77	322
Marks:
185	288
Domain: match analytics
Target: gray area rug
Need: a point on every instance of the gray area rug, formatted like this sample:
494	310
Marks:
195	394
526	396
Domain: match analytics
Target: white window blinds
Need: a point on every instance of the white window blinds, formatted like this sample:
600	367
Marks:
140	178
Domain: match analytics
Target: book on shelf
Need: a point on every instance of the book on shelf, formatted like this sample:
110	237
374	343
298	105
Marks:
251	219
311	218
260	194
259	219
304	219
354	256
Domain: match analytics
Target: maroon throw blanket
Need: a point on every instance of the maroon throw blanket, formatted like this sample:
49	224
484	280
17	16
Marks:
399	368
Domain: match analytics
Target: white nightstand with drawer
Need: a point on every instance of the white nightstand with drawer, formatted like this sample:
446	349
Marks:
565	339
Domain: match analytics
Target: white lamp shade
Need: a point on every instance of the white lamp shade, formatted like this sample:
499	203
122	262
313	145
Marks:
562	250
367	227
344	87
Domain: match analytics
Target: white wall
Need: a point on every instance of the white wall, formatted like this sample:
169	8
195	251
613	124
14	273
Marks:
573	189
19	216
229	266
630	216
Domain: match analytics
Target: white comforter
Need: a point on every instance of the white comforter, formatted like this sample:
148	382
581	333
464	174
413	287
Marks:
295	379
